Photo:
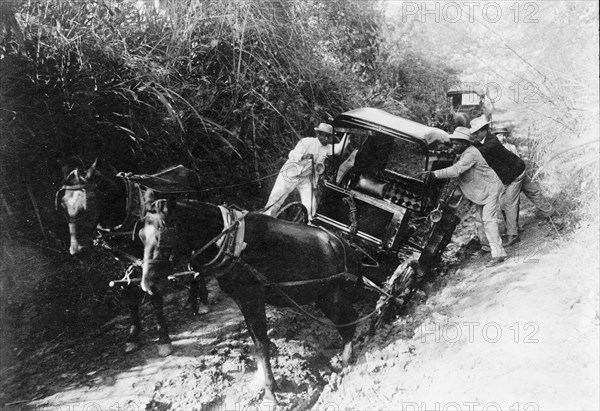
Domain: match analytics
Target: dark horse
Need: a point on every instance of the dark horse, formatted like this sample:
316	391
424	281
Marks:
96	202
264	260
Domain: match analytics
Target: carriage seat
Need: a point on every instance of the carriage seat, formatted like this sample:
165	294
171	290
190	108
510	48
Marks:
367	184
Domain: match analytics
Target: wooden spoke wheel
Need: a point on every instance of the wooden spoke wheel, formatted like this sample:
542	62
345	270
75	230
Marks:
294	212
400	285
440	236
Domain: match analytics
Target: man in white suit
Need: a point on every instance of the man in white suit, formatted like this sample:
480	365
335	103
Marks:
303	168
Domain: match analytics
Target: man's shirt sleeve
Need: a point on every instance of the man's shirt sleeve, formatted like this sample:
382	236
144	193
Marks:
466	161
298	151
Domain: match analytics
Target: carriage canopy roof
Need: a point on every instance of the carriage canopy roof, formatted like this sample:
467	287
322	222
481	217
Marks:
389	138
376	121
465	90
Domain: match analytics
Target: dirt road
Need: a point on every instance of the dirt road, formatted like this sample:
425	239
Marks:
417	359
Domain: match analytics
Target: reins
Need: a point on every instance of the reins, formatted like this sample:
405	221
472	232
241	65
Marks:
261	278
234	225
346	275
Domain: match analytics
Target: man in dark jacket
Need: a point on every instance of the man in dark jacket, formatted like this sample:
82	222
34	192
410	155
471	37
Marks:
509	167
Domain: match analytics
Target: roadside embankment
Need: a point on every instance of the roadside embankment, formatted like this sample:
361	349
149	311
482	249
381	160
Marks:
522	335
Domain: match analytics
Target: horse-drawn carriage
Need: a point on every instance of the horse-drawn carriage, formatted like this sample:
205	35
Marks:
377	198
466	100
462	105
374	207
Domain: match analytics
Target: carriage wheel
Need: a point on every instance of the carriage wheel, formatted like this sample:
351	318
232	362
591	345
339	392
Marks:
399	285
438	240
294	212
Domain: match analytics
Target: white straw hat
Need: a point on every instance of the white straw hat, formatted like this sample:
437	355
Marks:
478	123
325	128
461	133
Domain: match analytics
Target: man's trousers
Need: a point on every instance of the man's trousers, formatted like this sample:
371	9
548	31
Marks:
284	185
510	204
487	226
533	192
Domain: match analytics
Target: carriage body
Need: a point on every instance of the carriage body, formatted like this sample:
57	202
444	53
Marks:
376	198
466	100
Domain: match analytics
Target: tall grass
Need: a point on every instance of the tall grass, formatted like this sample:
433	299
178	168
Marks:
223	87
564	115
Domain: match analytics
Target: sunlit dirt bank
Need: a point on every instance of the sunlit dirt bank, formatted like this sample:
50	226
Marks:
520	336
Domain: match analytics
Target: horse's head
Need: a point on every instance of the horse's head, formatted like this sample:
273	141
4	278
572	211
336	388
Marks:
78	198
159	236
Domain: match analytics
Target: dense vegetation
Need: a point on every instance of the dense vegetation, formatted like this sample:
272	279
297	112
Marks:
537	63
223	87
227	87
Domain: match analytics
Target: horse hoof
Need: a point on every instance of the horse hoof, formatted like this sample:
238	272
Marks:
203	309
165	350
131	347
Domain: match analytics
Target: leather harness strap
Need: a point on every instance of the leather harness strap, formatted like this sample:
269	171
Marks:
264	280
134	204
345	275
232	243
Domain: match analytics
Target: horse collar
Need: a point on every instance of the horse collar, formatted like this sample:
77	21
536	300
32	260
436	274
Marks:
134	204
232	244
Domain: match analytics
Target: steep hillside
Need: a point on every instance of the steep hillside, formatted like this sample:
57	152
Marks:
521	336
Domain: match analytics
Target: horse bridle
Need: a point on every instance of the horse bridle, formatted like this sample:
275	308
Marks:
84	188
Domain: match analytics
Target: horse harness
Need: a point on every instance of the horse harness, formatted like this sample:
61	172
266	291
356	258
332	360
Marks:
230	243
134	203
84	187
136	186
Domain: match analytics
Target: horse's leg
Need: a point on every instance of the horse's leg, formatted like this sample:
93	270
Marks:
202	294
164	342
133	298
198	291
192	300
338	308
256	320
